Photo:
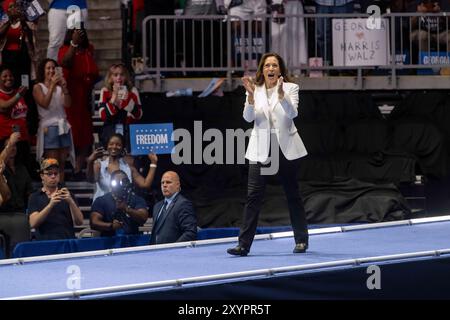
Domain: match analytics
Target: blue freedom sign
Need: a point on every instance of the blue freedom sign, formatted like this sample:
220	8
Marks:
147	138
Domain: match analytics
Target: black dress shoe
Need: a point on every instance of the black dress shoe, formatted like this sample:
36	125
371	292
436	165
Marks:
300	247
238	251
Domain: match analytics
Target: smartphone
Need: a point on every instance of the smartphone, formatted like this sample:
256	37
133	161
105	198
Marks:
59	71
15	128
25	81
119	128
122	92
99	146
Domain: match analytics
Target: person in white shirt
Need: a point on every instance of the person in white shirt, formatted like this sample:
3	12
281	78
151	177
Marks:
271	105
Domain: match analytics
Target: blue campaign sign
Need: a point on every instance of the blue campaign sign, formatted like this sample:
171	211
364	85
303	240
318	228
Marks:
434	57
156	138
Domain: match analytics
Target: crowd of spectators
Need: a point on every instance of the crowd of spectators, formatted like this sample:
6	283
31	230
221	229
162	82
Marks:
59	88
297	39
47	102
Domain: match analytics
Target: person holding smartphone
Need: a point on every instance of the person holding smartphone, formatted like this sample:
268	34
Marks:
53	210
17	39
13	115
100	167
120	104
54	137
76	57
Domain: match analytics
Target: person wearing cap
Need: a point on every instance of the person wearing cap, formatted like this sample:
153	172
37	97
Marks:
53	211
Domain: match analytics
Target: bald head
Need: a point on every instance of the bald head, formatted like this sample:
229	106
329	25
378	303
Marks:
170	184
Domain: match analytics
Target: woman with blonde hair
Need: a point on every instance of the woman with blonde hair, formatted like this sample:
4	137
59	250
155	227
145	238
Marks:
120	104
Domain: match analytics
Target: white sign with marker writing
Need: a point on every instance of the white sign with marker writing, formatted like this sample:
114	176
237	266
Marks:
354	44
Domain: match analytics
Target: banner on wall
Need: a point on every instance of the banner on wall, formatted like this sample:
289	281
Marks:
431	58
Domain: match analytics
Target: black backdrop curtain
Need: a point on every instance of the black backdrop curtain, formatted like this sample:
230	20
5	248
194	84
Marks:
347	138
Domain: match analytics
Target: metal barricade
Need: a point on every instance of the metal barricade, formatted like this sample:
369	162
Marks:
227	46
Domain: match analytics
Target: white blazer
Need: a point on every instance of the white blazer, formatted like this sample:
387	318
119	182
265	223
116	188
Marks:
282	113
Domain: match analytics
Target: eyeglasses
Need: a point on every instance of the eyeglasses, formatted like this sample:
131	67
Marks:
50	174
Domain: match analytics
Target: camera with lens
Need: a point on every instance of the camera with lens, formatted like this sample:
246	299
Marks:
121	189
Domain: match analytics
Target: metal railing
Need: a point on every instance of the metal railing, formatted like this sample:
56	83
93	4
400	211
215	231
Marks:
176	46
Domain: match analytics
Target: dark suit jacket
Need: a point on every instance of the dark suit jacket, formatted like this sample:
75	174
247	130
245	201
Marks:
177	225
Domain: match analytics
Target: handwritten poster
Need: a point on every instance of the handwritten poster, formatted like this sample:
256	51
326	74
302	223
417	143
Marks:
354	44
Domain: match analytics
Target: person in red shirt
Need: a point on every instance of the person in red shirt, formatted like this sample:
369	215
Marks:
138	10
13	114
81	73
120	104
17	41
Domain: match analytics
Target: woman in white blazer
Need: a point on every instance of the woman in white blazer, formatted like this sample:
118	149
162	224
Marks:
271	104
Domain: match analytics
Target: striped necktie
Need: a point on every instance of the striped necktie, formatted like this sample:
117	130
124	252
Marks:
162	212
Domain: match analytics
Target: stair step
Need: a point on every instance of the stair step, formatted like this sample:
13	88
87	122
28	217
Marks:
104	64
102	35
102	14
84	195
94	36
107	44
104	30
107	54
103	4
113	23
105	25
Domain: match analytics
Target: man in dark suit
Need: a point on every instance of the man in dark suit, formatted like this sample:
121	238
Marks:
174	219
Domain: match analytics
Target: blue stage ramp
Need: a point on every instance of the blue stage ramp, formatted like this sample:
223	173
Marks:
395	260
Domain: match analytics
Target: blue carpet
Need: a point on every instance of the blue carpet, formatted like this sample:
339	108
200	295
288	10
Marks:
157	265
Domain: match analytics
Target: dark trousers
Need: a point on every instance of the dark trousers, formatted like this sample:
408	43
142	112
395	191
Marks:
15	228
255	193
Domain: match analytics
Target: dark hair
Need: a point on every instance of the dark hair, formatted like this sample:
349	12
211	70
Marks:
122	140
40	74
116	135
4	67
259	79
84	40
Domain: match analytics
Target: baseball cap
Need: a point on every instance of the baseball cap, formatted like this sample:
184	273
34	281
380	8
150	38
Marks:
48	163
